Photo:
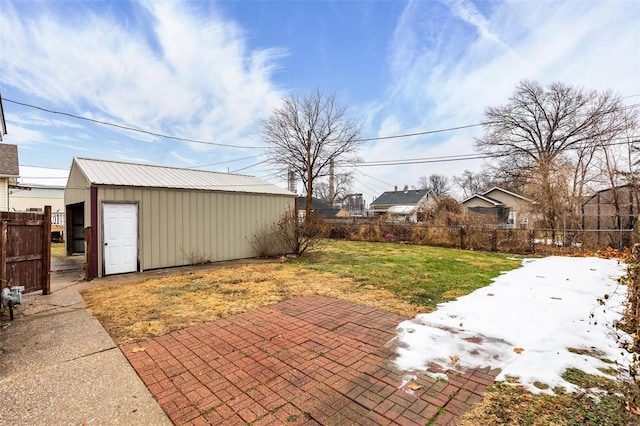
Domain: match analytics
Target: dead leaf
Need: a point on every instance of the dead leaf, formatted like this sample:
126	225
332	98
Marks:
454	358
490	294
414	386
630	408
138	349
518	350
461	324
556	298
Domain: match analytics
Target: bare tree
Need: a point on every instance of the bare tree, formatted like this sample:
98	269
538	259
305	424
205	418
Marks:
439	184
536	134
342	187
473	183
307	134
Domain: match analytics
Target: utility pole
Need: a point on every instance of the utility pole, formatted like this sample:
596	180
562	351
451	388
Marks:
307	214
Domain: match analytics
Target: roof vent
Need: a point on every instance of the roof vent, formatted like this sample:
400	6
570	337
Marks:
406	189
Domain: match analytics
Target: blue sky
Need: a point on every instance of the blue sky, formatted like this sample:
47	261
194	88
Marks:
212	71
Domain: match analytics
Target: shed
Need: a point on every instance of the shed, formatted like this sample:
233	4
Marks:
139	217
612	208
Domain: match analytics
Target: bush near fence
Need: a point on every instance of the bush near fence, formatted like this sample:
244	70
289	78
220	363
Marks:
481	238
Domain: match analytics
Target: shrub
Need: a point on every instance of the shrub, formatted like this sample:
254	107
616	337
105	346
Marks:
288	236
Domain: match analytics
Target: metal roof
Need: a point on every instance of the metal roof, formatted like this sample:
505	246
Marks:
42	177
402	209
115	173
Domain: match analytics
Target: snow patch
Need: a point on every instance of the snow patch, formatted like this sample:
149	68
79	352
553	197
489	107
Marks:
525	323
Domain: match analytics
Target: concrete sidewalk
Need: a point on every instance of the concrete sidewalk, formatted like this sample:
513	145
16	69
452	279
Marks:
58	366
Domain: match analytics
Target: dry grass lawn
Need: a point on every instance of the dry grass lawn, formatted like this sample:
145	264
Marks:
143	310
396	278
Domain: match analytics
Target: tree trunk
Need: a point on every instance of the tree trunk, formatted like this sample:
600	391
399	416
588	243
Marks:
308	211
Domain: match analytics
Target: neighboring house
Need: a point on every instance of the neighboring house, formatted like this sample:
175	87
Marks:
38	187
511	209
139	217
9	172
414	198
403	213
599	211
320	209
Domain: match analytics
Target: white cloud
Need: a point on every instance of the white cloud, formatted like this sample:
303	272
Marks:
192	76
451	60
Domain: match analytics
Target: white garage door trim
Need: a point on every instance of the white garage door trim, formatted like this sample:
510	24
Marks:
120	238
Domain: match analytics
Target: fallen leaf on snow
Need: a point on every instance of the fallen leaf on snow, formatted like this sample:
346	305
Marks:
138	349
490	294
454	358
556	298
518	350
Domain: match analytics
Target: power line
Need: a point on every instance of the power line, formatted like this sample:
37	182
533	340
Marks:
463	157
428	132
405	135
132	129
225	162
248	167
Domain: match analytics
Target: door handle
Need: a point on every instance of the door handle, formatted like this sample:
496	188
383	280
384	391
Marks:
106	244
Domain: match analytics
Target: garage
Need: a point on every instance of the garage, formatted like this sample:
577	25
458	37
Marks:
128	217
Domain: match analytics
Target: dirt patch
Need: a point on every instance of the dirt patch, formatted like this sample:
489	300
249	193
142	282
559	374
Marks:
146	309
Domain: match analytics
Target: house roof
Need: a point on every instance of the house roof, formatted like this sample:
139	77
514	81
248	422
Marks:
9	160
484	198
410	197
513	194
316	203
116	173
320	208
402	209
43	177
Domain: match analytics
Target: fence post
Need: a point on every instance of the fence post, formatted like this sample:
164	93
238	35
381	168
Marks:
462	233
46	251
494	240
3	253
532	236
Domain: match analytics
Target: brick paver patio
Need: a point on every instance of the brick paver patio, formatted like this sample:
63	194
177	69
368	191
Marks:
313	361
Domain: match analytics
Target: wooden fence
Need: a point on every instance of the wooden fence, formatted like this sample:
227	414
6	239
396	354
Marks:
25	250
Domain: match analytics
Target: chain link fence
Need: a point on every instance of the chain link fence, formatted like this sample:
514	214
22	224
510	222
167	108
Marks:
484	238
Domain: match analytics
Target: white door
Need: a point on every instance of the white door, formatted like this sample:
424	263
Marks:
120	232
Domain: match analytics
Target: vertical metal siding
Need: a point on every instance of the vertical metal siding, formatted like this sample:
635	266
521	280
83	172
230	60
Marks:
176	226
